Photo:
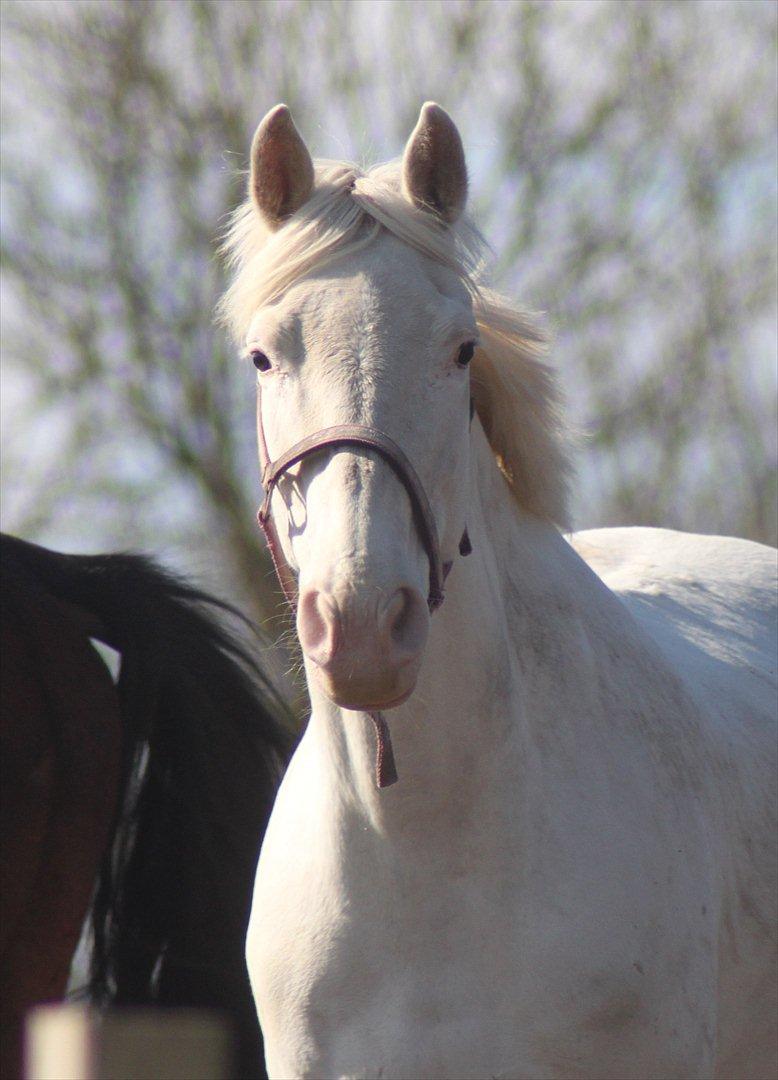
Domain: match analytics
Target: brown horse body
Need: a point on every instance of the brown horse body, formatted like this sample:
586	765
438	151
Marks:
60	731
102	784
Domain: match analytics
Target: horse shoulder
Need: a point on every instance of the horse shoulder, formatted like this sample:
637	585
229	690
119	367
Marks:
709	604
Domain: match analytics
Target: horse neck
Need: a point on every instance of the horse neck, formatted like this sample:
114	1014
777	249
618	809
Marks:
515	638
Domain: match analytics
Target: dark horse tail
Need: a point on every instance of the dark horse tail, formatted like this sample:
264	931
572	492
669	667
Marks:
203	751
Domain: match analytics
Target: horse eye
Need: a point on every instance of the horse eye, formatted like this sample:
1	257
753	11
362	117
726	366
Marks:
259	360
466	354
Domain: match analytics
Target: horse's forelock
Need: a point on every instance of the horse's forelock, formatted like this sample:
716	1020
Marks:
348	208
515	391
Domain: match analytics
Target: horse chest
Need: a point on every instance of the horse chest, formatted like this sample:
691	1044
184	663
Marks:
354	986
366	967
368	993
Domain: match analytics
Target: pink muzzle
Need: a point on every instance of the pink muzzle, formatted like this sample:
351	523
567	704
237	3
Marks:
372	439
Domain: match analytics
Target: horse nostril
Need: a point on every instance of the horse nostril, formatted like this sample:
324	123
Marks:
406	620
317	625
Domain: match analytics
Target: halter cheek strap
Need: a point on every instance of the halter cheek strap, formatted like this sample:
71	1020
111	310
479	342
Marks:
361	436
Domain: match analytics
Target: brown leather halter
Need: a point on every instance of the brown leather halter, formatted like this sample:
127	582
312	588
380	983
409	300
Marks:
361	436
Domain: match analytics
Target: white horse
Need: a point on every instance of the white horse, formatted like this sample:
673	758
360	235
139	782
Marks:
575	875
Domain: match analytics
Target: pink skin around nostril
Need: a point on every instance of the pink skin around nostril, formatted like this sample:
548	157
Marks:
365	657
318	625
405	622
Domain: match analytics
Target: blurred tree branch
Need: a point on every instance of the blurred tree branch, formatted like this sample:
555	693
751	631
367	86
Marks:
623	162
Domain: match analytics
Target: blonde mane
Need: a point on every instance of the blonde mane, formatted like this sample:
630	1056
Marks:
515	391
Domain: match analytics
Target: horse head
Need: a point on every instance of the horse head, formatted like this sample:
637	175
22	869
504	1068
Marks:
362	319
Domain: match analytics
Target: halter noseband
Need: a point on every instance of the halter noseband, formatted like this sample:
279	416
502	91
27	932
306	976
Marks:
371	438
357	435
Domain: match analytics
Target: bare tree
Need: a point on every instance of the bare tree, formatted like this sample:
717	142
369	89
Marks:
623	161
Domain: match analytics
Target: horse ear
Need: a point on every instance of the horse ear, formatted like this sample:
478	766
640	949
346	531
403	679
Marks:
281	177
434	171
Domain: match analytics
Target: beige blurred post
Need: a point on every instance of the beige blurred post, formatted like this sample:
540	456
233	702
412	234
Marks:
71	1042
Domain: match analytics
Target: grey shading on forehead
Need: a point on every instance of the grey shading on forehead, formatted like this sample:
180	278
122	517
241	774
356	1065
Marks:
449	284
384	282
276	329
452	327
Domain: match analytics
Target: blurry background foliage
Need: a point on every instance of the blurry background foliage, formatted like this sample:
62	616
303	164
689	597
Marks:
623	165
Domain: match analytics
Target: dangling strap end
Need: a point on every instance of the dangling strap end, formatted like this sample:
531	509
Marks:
434	600
385	767
263	514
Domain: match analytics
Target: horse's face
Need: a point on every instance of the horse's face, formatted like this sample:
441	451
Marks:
381	338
